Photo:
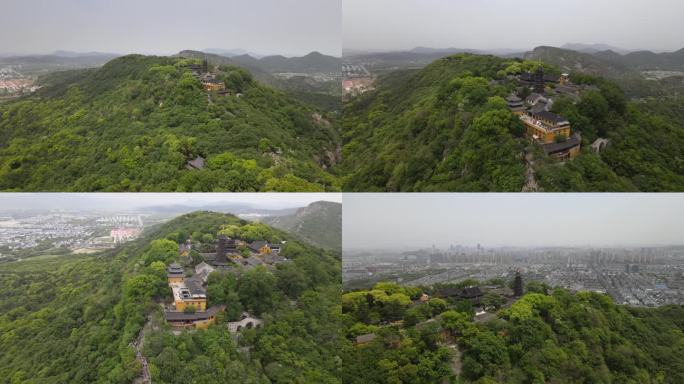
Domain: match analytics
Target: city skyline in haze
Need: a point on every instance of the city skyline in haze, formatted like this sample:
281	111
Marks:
513	25
164	27
412	221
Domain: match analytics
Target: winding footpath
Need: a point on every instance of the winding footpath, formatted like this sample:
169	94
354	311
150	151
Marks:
530	181
137	344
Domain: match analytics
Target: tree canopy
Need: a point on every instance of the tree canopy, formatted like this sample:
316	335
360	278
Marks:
447	127
546	336
134	124
73	318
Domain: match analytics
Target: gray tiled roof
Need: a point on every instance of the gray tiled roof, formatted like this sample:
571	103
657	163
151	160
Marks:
551	148
180	316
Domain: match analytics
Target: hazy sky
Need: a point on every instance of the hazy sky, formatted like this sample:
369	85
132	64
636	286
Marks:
519	24
291	27
421	219
137	200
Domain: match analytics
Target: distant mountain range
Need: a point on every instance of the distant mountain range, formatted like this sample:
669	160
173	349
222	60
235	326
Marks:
599	59
301	81
233	52
593	48
243	210
323	93
320	224
84	54
417	57
314	62
608	63
57	61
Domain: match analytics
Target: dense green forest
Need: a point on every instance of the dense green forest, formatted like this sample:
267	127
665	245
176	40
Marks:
319	224
546	336
72	319
324	94
446	127
133	124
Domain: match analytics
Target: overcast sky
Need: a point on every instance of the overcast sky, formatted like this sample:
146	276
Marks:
520	24
417	220
10	201
290	27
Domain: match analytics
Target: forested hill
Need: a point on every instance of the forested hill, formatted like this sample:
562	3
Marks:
447	127
608	63
134	124
72	319
549	336
314	62
299	83
320	223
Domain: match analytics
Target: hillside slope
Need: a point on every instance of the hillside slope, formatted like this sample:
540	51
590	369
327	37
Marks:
572	61
314	62
608	62
646	60
447	127
320	224
71	319
134	124
299	83
628	70
559	337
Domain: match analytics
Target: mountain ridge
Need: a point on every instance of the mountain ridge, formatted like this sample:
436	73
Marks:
77	319
138	117
319	223
608	62
447	127
313	62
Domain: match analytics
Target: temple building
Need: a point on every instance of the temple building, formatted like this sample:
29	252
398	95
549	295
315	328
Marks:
213	85
515	104
551	131
538	80
189	308
545	127
564	150
224	246
473	294
207	78
197	320
264	247
189	293
174	274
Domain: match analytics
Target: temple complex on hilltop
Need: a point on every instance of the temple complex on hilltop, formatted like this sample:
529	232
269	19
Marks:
551	131
235	252
189	309
207	77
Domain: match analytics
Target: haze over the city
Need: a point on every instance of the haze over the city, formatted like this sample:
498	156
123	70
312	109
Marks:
386	25
288	27
123	201
412	221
